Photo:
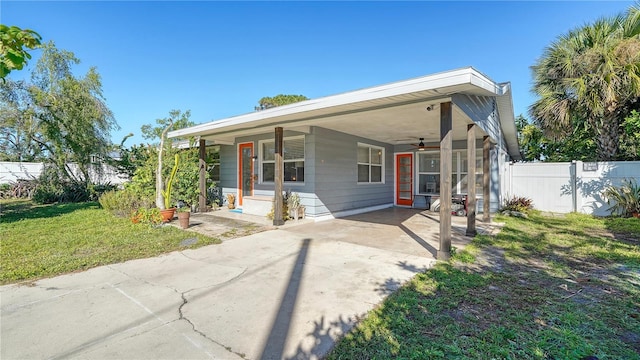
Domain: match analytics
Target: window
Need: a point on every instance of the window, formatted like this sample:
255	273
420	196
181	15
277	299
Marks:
293	158
460	181
370	164
429	172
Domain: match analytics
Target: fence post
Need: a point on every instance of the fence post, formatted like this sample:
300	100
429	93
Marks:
574	190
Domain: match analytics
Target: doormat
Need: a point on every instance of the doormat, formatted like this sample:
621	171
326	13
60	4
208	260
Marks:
236	211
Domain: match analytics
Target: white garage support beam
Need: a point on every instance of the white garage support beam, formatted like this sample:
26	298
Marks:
446	134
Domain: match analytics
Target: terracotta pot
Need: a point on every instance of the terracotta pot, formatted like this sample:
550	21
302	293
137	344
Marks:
167	215
183	217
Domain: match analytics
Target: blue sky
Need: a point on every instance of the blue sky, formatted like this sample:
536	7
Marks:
219	58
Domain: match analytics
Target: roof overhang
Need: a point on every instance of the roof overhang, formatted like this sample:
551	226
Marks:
507	121
394	113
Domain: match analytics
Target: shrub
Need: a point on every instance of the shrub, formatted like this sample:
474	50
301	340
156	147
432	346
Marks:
518	203
148	216
186	185
21	189
285	206
51	188
214	196
626	198
123	203
97	190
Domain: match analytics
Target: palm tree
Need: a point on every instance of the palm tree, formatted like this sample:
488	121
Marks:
590	76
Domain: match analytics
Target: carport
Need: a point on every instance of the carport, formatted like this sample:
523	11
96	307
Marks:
454	109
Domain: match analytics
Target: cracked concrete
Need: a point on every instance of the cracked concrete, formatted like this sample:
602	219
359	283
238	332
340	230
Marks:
279	294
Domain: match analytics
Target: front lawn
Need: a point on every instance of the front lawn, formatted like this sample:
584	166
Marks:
39	241
563	287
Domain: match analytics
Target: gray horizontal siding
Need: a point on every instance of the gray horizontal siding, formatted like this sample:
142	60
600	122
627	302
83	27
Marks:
228	166
336	177
482	110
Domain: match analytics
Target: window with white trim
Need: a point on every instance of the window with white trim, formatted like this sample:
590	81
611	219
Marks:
370	164
429	172
293	159
460	182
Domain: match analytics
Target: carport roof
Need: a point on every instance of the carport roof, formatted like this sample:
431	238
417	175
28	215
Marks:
393	113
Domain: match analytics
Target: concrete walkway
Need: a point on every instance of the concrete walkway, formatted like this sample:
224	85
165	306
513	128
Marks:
286	293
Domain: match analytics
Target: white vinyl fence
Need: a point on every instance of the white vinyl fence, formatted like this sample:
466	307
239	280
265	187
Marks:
568	186
13	171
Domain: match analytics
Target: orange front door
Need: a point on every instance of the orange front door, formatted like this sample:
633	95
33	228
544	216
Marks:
245	171
404	179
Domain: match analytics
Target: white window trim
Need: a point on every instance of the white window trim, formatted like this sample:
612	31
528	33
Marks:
457	189
382	160
418	172
260	161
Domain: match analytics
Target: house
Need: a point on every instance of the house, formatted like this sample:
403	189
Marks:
406	143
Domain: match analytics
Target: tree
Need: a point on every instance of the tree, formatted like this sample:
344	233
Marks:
590	77
57	117
74	120
179	119
176	120
529	139
535	146
630	139
18	124
13	41
278	100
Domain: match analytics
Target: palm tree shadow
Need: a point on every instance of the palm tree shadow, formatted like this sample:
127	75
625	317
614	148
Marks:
325	336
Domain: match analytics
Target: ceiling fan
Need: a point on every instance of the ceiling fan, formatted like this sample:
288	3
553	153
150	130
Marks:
421	146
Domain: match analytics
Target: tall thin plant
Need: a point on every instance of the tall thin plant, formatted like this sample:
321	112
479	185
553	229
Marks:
166	193
161	200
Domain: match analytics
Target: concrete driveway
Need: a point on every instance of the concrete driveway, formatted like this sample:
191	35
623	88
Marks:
286	293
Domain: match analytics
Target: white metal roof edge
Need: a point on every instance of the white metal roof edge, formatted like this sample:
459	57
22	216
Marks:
507	120
467	75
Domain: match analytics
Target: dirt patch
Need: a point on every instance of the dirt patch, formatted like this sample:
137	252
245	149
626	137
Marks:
222	228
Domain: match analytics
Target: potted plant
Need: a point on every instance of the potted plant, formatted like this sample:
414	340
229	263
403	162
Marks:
296	210
231	201
184	213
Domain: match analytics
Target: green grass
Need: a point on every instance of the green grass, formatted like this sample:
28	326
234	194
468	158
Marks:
565	288
48	240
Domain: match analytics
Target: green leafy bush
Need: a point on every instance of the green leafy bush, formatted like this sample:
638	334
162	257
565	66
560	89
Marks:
186	185
626	198
147	216
518	203
51	188
123	203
